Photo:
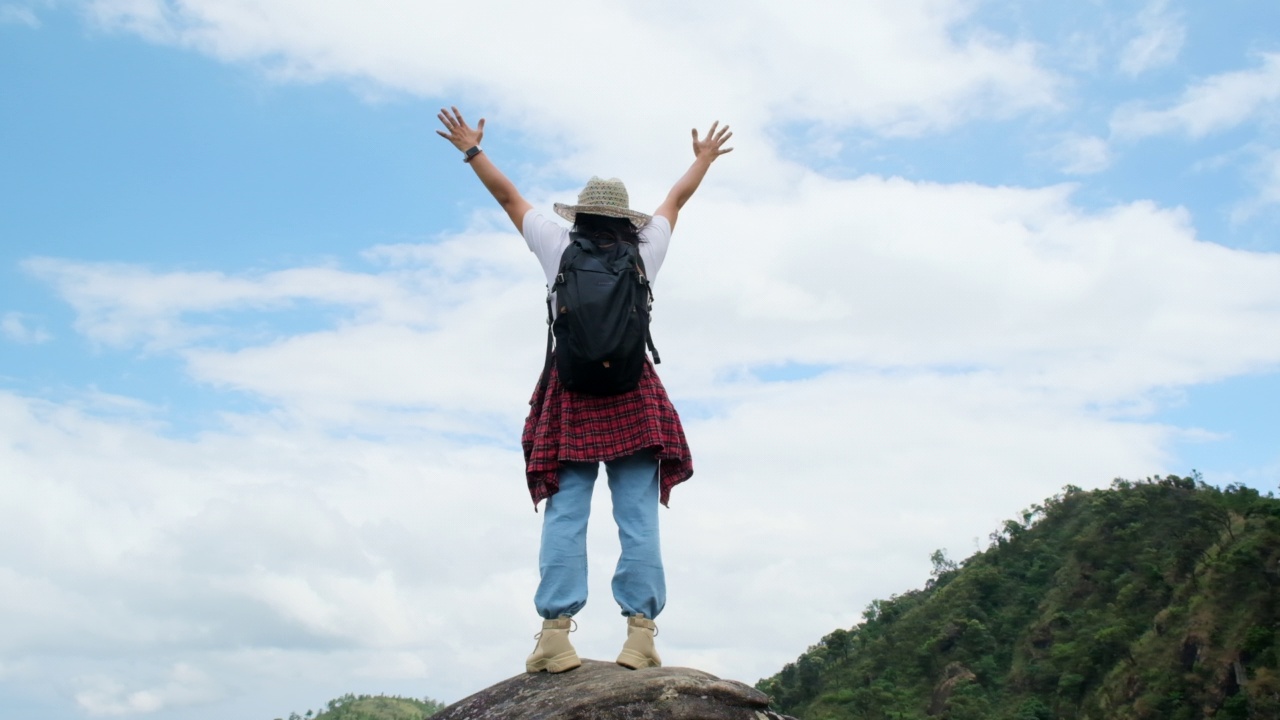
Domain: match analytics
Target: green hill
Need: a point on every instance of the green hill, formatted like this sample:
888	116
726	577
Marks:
1157	600
372	707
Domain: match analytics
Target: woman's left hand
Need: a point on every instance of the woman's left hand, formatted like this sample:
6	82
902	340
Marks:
462	135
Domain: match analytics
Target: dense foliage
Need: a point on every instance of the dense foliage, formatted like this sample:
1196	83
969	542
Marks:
373	707
1158	599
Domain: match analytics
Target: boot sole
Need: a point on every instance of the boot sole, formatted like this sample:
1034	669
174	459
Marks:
558	664
635	661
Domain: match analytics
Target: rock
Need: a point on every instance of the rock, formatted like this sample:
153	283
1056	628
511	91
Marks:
953	675
606	691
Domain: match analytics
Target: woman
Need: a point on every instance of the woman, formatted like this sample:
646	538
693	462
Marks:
636	434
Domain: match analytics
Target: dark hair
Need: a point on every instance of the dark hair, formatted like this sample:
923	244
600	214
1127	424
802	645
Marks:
606	229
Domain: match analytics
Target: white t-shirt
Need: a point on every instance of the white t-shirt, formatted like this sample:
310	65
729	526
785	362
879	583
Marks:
548	239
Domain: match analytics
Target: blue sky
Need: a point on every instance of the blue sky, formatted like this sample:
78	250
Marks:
265	343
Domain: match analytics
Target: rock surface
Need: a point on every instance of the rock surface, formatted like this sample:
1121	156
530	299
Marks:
606	691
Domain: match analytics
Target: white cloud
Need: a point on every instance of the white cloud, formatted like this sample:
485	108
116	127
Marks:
267	536
896	67
121	305
1265	173
16	14
892	274
1082	154
1160	36
1270	186
15	327
1217	103
102	696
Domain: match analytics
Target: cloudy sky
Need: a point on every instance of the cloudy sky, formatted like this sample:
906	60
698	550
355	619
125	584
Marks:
266	345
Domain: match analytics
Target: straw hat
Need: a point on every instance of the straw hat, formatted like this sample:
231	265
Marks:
603	197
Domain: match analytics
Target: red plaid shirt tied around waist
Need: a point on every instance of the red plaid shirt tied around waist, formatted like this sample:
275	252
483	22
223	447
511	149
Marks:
565	426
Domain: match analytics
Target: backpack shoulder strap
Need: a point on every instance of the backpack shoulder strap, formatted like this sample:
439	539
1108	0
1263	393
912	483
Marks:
577	245
633	251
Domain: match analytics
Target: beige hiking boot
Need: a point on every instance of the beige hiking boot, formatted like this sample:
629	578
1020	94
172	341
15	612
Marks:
638	651
553	652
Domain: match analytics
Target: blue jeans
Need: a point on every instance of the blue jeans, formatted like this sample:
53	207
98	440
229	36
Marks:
639	584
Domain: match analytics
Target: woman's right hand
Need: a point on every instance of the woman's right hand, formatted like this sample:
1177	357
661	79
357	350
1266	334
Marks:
462	135
713	146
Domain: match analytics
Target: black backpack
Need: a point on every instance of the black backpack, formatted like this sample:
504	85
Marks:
601	327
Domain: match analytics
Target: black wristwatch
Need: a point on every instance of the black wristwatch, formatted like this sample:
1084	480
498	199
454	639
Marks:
470	153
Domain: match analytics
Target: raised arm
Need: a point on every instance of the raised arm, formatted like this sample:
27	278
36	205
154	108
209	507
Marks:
705	152
465	137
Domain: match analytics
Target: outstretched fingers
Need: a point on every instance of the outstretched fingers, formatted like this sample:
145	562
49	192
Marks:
448	121
722	137
456	129
716	137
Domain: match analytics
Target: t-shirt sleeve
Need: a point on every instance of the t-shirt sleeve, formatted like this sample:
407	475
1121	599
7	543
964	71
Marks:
656	238
546	239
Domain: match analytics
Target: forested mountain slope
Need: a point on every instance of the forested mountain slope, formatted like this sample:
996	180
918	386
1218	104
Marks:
1156	599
